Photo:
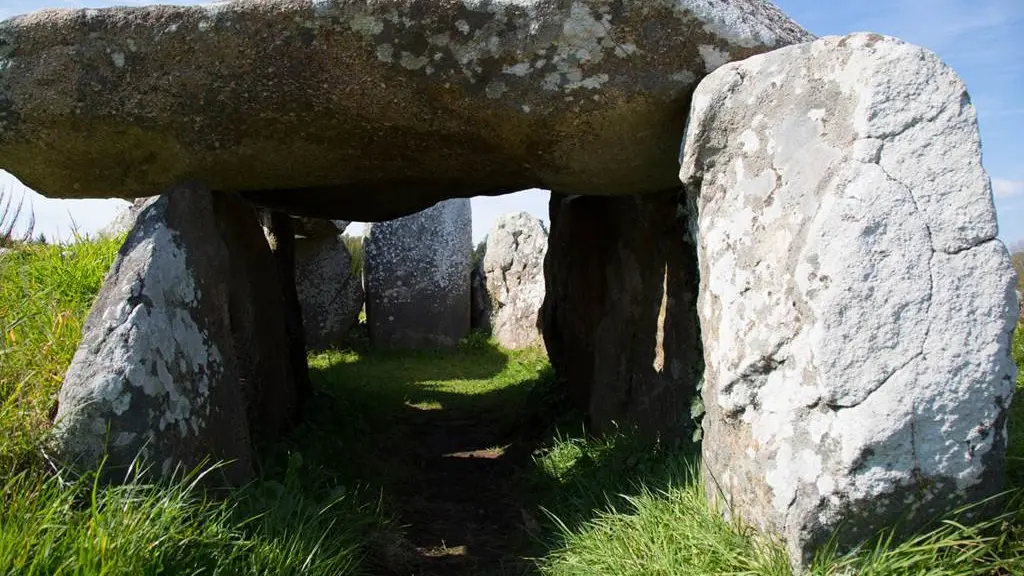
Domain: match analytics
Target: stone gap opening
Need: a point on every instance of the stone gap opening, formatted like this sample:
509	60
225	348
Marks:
609	287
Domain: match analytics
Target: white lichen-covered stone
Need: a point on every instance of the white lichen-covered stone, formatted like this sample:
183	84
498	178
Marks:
330	294
183	357
856	306
328	107
416	275
513	266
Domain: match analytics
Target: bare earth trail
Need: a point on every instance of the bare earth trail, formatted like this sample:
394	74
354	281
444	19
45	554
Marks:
457	497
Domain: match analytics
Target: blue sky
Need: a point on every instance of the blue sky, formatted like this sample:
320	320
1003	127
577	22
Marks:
983	40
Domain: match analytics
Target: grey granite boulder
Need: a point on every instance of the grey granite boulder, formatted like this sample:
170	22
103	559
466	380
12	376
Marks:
330	293
184	354
855	304
513	266
364	110
416	271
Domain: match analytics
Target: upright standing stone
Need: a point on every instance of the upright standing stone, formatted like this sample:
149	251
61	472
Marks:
619	317
513	266
181	357
417	277
330	293
856	306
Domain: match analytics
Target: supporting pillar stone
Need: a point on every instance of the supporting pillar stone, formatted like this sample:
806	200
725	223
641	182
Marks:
181	356
619	315
417	277
855	304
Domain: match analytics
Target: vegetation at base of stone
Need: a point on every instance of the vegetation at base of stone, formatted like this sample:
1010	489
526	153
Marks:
619	507
355	250
47	528
629	508
45	294
616	505
50	526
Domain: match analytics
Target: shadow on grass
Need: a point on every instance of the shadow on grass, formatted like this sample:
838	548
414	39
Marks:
465	449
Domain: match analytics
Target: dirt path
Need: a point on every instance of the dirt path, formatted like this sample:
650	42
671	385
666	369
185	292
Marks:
458	501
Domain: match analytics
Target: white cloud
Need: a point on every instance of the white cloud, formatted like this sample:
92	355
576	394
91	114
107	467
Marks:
1003	188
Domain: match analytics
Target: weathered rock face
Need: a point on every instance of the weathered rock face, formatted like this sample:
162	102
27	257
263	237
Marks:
181	355
513	267
480	300
416	271
328	108
125	219
855	304
330	294
318	227
619	316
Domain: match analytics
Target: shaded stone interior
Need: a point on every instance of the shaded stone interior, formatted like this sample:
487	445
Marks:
620	311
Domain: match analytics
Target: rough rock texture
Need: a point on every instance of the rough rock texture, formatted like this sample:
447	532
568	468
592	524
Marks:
855	304
279	230
416	273
480	300
619	317
180	357
513	267
318	227
125	219
326	108
330	294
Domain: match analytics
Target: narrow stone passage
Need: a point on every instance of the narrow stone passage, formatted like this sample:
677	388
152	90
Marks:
444	442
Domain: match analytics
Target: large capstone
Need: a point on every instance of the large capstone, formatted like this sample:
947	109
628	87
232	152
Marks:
513	266
620	314
329	290
184	355
416	271
855	304
364	110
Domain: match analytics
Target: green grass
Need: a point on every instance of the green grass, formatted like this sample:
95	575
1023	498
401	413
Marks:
653	518
45	294
604	506
273	526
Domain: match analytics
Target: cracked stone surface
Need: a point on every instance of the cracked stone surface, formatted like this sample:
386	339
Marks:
330	294
513	266
364	110
416	272
180	357
855	305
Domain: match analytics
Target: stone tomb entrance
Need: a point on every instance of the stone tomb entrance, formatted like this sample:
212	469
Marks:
848	325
